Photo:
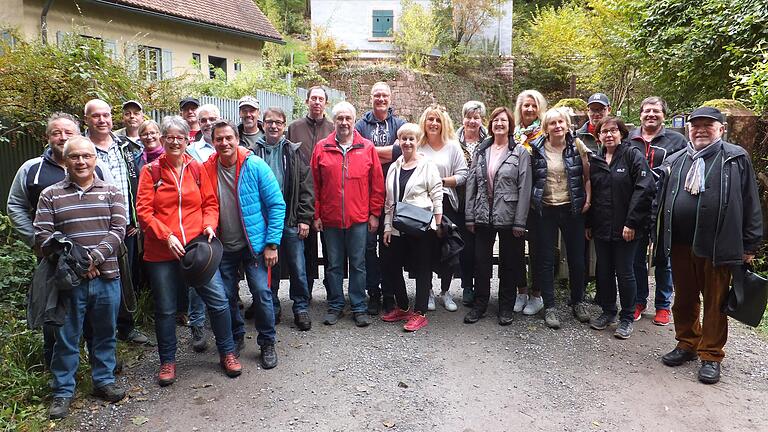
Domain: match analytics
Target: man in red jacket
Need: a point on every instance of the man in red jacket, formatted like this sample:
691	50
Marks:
349	196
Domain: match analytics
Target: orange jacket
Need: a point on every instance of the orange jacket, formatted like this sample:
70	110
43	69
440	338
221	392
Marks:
176	205
211	167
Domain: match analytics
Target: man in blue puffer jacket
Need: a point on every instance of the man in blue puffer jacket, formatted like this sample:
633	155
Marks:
251	215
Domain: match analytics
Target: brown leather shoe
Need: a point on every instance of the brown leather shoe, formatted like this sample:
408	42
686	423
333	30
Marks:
167	374
231	365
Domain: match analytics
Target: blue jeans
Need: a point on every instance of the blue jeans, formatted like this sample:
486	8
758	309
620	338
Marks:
552	219
291	255
614	262
351	243
167	284
196	309
256	276
98	301
663	275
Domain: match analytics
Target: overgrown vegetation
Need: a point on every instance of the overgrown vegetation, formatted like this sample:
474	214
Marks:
417	35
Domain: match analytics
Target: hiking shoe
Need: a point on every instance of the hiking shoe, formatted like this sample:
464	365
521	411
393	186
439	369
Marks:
415	322
199	343
362	319
709	373
396	315
239	345
662	317
59	408
534	305
268	356
448	302
431	301
231	365
109	393
302	320
374	305
134	336
550	318
332	317
639	309
580	312
624	330
678	356
167	374
505	317
473	316
468	296
520	302
603	321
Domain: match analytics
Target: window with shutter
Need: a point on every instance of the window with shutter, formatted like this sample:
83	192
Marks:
382	23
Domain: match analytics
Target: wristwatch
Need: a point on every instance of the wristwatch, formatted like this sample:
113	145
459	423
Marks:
271	246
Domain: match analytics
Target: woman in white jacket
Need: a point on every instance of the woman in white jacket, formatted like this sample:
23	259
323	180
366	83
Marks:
415	180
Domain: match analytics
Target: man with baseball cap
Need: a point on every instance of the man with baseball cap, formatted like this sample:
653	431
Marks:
598	106
710	222
250	127
188	111
133	116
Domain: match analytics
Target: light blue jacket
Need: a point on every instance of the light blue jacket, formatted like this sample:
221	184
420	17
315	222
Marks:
261	204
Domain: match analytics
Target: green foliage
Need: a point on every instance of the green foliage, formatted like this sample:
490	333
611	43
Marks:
459	21
286	15
416	35
725	104
692	48
753	85
326	52
575	103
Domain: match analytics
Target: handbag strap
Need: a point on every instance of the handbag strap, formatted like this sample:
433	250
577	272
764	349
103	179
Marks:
397	185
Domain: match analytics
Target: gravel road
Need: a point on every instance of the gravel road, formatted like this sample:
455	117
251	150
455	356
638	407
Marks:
447	377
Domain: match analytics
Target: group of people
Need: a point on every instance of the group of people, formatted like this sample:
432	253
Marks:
195	203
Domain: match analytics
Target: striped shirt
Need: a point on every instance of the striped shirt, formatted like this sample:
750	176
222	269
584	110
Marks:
93	218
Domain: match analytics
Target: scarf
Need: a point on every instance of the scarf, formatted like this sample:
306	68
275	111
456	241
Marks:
151	155
694	180
525	136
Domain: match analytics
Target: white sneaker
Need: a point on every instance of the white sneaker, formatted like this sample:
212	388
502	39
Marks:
534	305
520	302
448	302
431	301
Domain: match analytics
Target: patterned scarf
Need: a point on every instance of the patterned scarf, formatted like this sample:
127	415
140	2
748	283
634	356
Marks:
525	136
694	181
150	155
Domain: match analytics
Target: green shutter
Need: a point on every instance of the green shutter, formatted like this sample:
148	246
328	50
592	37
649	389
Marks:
382	23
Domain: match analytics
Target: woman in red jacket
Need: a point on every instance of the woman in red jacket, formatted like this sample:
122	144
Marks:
175	204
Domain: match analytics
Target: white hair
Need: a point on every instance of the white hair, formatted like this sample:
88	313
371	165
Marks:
209	108
344	106
77	139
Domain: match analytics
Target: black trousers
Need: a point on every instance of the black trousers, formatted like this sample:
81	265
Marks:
511	265
415	254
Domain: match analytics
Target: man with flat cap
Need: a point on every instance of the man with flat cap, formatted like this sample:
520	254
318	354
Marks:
710	223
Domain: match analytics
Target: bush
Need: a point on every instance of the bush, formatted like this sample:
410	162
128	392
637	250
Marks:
417	34
725	104
328	54
754	85
574	103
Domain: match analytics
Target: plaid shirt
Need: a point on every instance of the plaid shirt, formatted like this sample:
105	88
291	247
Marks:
120	171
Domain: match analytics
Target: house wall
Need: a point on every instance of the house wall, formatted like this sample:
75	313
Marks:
128	29
350	22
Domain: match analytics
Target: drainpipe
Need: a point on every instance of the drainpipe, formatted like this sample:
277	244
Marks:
44	21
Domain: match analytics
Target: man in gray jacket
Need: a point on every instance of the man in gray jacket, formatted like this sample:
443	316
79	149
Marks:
710	222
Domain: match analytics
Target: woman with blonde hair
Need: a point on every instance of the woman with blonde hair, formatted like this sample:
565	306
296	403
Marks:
438	143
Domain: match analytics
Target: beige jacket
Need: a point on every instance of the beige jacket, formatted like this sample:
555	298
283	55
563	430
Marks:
424	189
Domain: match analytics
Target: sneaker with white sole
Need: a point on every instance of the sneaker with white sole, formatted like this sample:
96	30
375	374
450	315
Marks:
534	305
520	302
448	302
431	301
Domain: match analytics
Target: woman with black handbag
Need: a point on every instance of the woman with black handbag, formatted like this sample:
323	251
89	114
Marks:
412	211
498	199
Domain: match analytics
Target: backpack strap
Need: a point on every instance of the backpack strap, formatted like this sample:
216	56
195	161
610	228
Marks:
194	168
154	171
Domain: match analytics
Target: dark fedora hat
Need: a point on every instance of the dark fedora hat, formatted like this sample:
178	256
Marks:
201	260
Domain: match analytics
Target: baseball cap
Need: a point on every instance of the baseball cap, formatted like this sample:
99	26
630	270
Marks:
133	102
187	100
248	101
600	98
707	112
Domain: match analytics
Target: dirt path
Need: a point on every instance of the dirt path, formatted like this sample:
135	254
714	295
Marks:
447	377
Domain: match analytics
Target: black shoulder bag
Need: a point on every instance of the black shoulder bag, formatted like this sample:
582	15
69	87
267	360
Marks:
408	218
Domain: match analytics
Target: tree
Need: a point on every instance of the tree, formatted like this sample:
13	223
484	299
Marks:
461	20
416	35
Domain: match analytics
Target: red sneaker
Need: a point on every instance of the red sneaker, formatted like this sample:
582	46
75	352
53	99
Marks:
415	322
639	309
396	315
231	365
662	317
167	374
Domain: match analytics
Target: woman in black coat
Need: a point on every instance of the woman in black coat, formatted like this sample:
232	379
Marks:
622	191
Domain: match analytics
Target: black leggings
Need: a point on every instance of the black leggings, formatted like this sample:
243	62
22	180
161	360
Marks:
416	254
511	266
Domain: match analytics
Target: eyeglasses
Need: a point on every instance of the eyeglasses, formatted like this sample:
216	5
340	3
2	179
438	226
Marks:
177	139
76	157
274	122
147	134
609	131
